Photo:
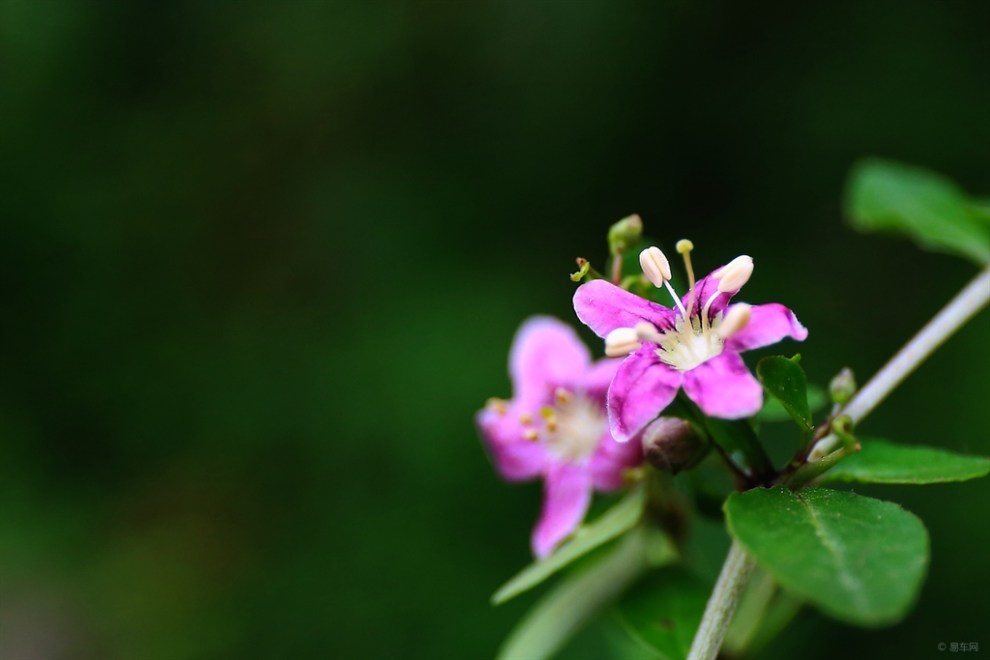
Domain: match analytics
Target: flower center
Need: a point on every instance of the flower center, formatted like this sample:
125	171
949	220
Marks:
572	427
697	336
688	344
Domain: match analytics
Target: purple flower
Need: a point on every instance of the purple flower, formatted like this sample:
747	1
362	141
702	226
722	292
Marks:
696	345
556	426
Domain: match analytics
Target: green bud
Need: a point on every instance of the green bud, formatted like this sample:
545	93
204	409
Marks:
671	444
624	233
843	386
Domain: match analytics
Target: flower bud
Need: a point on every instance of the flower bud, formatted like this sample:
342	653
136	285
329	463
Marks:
670	445
734	274
655	266
624	233
843	386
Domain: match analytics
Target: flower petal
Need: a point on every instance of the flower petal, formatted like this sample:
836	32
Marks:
515	457
767	325
596	380
566	496
641	389
546	353
611	460
723	387
603	307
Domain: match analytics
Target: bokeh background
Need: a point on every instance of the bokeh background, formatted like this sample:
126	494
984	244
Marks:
261	262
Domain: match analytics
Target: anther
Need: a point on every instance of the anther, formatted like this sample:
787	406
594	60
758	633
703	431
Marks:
531	434
684	247
621	342
562	396
498	405
735	320
655	266
525	419
734	274
647	332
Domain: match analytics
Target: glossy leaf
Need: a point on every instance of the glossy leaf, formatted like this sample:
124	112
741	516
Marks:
882	462
617	520
930	209
740	443
785	381
859	559
774	411
574	601
664	610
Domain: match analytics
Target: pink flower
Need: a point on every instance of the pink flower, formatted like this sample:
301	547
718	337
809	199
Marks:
695	345
556	427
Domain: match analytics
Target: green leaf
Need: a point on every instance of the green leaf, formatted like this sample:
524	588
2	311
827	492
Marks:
664	610
883	195
614	522
785	381
574	601
740	443
882	462
774	411
859	559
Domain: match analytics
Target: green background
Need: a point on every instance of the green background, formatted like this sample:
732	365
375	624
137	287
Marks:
261	263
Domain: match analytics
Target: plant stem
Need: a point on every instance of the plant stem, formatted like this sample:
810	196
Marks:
737	566
960	309
722	604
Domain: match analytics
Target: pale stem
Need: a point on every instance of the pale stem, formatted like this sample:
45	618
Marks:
960	309
737	566
722	604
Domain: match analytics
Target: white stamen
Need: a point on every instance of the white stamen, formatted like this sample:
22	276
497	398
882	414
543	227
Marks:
734	274
677	300
655	266
735	320
621	342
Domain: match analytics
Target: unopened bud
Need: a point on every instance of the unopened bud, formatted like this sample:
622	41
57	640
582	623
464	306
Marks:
621	342
843	386
624	233
735	320
655	266
670	445
734	274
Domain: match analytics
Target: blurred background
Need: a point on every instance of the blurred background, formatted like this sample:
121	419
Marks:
261	263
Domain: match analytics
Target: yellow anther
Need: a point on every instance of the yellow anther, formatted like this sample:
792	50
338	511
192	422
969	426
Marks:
525	419
531	434
562	396
498	405
684	246
547	413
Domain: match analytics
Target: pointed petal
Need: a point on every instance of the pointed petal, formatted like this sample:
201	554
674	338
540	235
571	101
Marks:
603	307
566	496
767	325
546	353
723	387
515	457
641	389
611	460
596	380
